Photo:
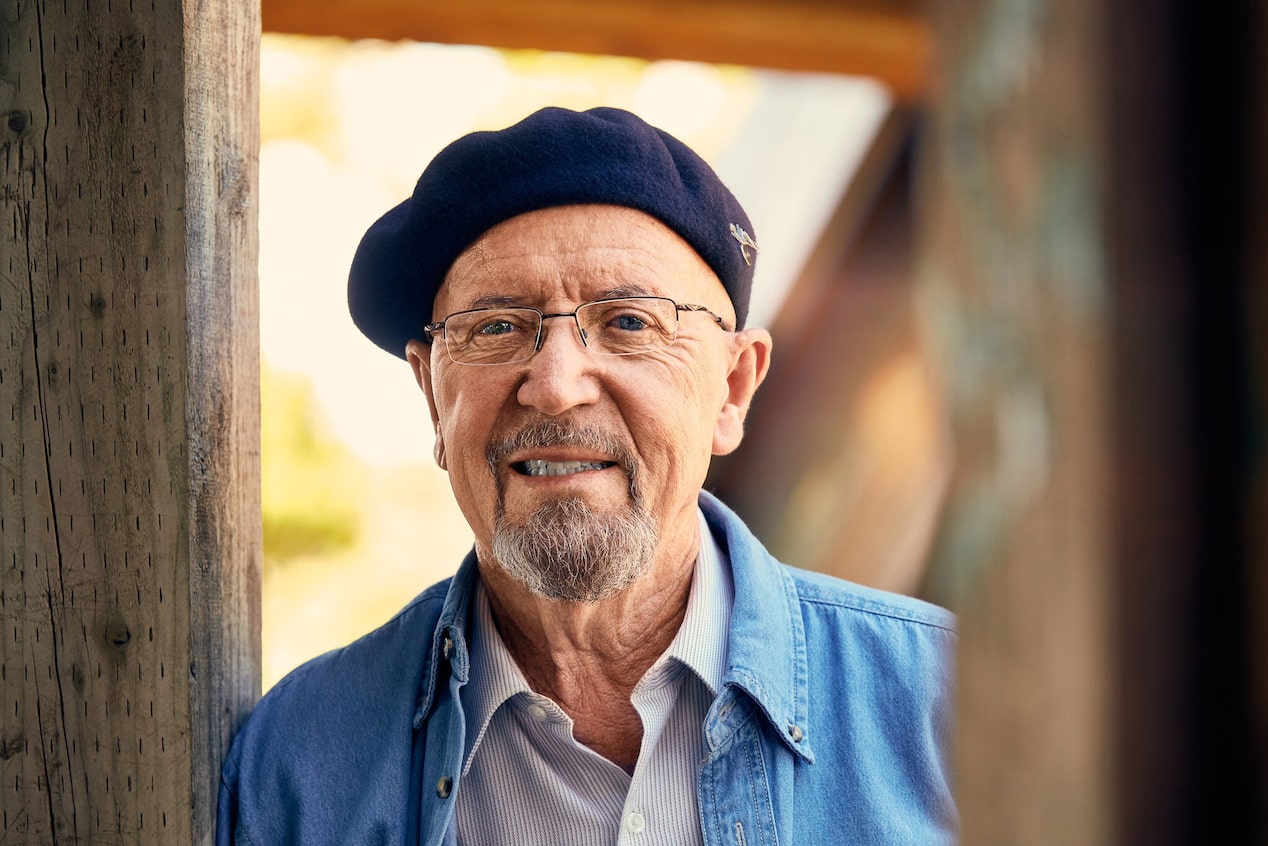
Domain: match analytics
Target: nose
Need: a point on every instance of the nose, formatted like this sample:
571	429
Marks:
562	375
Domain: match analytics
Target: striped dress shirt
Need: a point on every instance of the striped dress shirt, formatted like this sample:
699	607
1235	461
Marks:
526	780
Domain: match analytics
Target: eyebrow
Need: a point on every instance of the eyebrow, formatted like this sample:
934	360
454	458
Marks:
625	291
495	301
502	300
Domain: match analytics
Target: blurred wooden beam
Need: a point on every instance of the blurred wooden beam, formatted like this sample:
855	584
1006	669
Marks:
1256	516
1093	264
845	460
886	39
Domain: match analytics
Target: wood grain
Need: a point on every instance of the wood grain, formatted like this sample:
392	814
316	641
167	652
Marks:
887	39
128	466
1018	313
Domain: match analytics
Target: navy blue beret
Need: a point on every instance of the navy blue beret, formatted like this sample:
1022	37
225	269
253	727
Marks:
554	157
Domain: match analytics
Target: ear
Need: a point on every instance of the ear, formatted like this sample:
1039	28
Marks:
750	360
419	356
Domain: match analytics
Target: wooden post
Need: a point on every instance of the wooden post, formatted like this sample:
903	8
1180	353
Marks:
1017	301
1093	267
129	518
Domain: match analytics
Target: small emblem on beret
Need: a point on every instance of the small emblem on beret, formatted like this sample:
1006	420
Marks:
746	241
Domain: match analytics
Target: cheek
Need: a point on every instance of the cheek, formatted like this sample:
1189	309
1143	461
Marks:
468	414
677	411
466	398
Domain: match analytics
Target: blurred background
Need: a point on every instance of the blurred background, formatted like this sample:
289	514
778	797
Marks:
1013	257
357	517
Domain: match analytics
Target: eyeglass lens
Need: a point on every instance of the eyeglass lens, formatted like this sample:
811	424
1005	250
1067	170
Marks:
608	327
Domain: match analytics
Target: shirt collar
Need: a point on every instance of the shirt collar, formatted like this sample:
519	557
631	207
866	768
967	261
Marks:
497	677
700	643
766	653
448	643
767	650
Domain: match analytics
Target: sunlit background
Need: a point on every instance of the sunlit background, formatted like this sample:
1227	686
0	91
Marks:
357	518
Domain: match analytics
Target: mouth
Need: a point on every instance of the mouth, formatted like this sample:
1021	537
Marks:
542	467
560	453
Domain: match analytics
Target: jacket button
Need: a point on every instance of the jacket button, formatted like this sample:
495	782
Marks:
444	787
795	733
446	647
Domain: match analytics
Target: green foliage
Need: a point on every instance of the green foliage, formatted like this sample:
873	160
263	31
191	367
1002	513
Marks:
311	485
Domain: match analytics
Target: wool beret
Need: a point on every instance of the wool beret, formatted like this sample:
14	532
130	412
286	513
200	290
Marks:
554	157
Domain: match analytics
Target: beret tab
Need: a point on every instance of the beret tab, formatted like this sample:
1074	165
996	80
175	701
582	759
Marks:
554	157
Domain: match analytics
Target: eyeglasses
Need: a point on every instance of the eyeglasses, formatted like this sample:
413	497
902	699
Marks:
625	326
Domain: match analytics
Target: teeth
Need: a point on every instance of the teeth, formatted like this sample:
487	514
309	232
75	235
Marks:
540	467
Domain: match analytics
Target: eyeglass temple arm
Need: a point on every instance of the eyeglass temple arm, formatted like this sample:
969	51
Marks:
716	318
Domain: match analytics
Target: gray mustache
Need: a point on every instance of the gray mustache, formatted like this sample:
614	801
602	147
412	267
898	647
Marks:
552	433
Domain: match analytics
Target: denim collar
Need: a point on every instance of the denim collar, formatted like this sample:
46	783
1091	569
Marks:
449	641
767	657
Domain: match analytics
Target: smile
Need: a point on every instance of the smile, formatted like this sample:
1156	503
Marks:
541	467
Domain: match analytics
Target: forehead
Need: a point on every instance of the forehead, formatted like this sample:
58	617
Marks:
578	253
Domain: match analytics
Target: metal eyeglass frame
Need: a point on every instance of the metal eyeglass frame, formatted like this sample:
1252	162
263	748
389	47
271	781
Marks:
430	329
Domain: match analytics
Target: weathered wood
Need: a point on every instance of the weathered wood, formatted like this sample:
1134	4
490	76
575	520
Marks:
221	123
1094	269
1017	303
128	441
887	39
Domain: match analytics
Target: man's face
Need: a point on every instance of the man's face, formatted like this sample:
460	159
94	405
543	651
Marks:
640	428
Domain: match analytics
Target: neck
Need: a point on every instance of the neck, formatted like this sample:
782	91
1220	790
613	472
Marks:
588	657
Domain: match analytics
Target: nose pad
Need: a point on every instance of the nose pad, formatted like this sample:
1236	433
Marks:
559	377
576	324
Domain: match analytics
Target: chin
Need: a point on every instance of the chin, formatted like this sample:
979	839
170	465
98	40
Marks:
569	551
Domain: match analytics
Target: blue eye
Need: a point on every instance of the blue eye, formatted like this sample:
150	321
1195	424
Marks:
630	322
497	327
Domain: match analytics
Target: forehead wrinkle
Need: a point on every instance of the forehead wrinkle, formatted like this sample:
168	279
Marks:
480	283
536	265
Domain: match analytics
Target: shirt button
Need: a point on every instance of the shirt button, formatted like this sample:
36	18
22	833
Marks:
538	712
444	787
446	647
635	823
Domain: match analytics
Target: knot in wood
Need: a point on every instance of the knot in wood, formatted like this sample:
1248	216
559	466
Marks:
11	747
117	634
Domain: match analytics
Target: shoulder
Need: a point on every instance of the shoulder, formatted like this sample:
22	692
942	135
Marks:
881	677
379	661
349	710
883	639
880	689
834	594
870	673
758	572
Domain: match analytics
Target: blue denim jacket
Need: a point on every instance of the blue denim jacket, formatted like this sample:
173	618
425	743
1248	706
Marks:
832	727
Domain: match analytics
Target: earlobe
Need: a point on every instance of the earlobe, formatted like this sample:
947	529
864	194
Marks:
438	450
750	361
419	356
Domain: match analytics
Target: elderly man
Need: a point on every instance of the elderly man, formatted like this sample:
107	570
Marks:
618	659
